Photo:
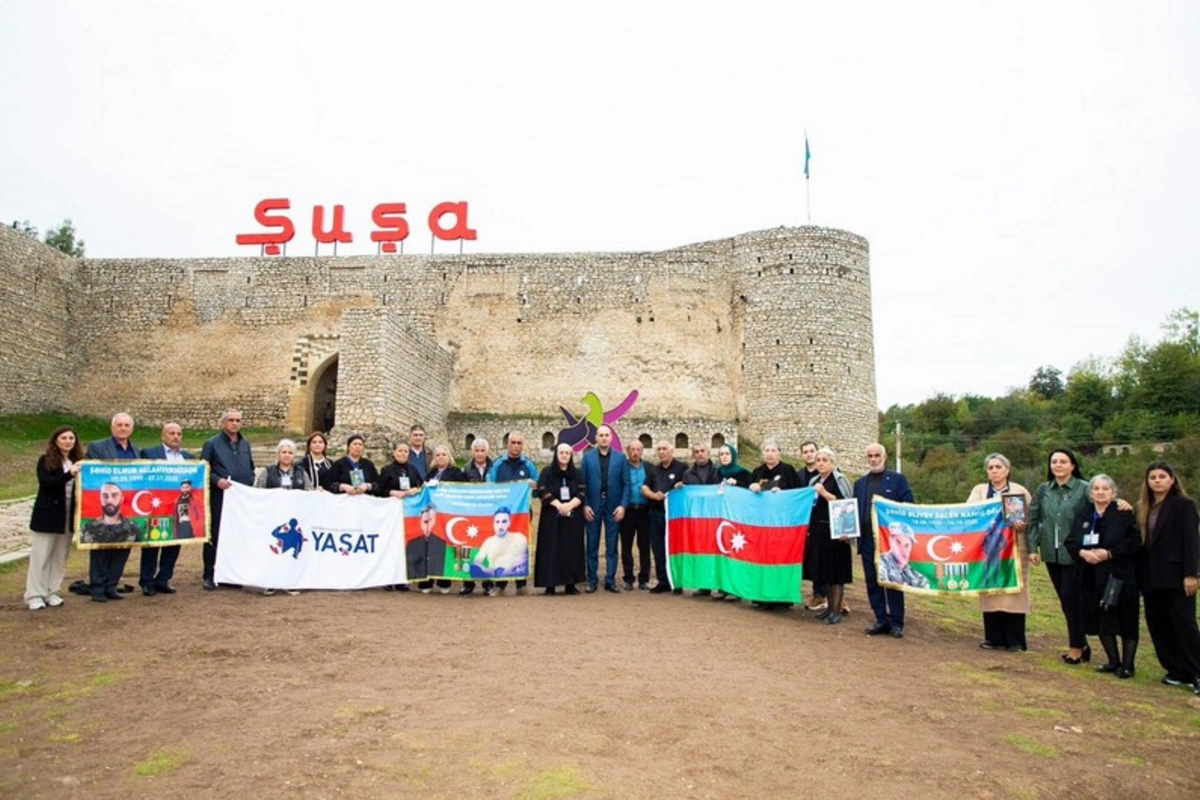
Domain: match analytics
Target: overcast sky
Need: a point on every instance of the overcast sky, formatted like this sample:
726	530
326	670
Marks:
1027	173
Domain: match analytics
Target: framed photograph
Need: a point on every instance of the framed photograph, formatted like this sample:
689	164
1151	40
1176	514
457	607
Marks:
843	519
1015	509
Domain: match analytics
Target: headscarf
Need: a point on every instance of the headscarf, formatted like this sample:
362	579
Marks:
734	469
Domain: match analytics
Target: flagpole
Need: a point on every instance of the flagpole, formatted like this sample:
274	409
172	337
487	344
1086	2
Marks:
807	185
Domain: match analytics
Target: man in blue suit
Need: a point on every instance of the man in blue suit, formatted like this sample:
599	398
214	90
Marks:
158	563
606	488
888	604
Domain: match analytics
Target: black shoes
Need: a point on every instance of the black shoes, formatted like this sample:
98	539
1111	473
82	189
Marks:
702	593
550	591
572	589
1171	680
628	586
209	585
677	591
113	594
985	645
1125	672
1086	657
878	629
147	590
591	587
611	587
164	588
661	588
1108	668
834	618
897	633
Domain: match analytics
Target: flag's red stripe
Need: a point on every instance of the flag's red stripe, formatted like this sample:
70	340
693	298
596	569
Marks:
971	541
763	544
166	507
412	526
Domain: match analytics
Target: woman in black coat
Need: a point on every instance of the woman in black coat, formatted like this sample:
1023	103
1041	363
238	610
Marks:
1167	573
1104	542
53	519
353	473
560	525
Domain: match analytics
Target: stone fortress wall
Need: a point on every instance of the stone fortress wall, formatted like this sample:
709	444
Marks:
766	334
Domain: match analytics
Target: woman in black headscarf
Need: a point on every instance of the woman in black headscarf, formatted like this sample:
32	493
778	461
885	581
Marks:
559	559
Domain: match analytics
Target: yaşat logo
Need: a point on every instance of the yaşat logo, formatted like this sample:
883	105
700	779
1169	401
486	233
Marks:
290	538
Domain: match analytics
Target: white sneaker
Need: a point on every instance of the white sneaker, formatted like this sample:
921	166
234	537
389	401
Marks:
54	601
37	604
293	592
426	591
444	590
268	592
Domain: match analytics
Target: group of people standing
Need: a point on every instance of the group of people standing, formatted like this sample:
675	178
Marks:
1104	556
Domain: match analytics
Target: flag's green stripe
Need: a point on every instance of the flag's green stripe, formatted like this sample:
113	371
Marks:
1007	576
776	583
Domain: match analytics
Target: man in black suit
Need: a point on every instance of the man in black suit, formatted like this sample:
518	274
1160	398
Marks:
426	553
158	563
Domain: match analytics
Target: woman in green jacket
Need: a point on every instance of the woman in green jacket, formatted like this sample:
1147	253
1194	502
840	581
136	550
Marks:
1056	503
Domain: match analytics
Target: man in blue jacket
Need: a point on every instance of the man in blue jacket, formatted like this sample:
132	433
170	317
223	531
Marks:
888	604
513	467
158	563
606	488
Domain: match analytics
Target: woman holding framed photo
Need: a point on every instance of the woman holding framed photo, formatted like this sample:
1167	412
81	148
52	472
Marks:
1004	614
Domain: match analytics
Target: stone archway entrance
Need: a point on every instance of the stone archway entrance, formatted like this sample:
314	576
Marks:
324	396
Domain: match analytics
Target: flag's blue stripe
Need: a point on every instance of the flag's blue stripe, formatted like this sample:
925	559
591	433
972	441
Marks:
780	509
939	519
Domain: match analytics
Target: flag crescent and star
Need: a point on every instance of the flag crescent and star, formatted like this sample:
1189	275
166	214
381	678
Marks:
450	531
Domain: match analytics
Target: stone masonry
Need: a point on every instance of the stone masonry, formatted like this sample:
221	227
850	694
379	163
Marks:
765	334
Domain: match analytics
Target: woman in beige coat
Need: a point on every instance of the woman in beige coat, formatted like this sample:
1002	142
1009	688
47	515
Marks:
1004	614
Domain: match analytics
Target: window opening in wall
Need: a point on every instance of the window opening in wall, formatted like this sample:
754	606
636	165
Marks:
810	340
504	440
681	441
646	441
776	369
547	441
718	440
470	440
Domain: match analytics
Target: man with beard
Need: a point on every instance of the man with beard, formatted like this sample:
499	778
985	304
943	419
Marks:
115	532
515	466
504	552
158	563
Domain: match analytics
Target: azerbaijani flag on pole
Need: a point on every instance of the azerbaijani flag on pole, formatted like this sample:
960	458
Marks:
745	543
962	549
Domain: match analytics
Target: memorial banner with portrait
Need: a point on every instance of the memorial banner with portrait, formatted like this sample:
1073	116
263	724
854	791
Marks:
963	549
143	503
468	531
750	544
286	539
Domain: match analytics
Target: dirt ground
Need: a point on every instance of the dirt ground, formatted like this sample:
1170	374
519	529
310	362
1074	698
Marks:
379	694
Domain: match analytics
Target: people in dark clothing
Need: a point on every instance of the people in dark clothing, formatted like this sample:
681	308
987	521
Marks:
514	466
52	519
662	479
1104	541
316	463
477	470
605	475
826	558
886	603
158	563
230	461
635	527
105	566
1167	573
353	473
773	474
560	550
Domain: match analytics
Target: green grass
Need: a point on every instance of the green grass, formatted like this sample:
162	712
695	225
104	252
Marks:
161	762
553	784
1032	746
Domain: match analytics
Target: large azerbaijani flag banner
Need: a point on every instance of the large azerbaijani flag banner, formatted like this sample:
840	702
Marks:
144	503
467	531
731	539
963	549
283	539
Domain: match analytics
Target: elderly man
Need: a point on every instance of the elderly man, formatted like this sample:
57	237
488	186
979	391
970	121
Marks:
111	562
636	524
477	470
661	479
418	456
703	472
106	565
229	461
158	563
887	604
514	466
605	474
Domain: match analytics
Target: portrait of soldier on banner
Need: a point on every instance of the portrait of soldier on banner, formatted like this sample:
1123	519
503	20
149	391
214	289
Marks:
147	503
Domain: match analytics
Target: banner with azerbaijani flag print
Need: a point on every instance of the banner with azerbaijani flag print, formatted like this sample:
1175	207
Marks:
746	543
963	549
465	531
146	503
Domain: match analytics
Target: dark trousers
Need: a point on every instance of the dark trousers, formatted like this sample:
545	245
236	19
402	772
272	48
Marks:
216	501
105	568
658	544
1004	629
1171	621
158	566
441	583
470	585
636	526
888	604
603	518
1065	578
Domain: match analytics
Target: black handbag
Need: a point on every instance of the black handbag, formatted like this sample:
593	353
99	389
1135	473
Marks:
1112	593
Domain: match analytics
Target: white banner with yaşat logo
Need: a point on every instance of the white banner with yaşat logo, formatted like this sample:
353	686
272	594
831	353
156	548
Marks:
281	539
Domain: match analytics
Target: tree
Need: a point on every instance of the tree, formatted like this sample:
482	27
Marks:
1089	393
24	227
63	238
1183	327
1047	382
